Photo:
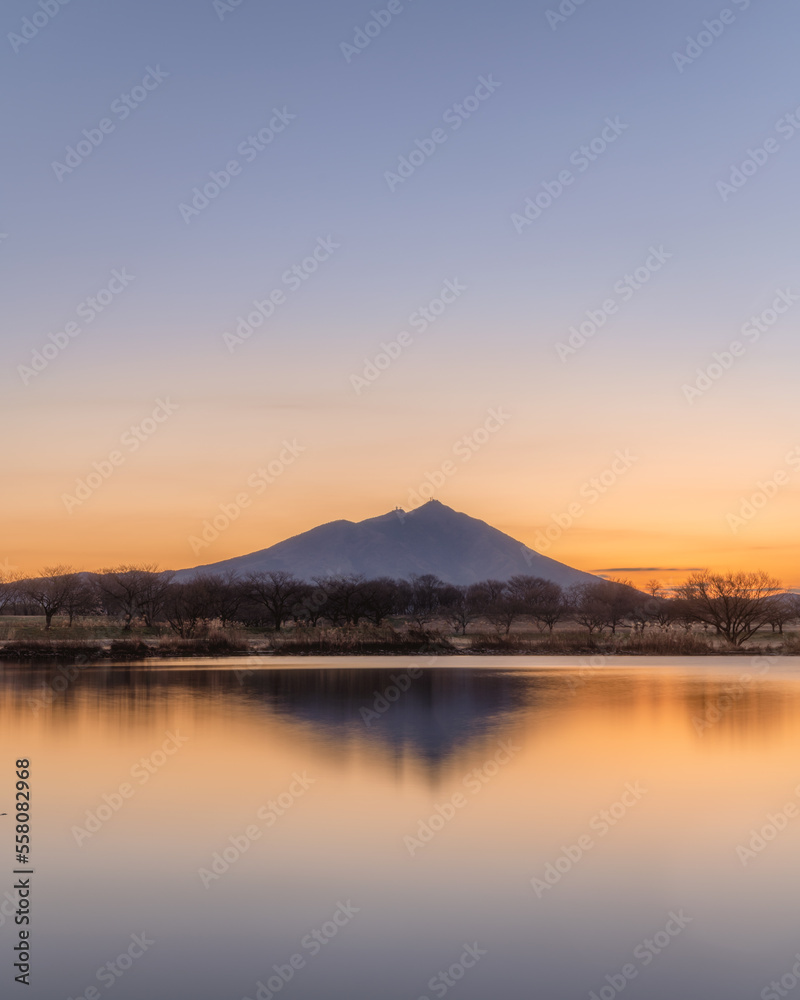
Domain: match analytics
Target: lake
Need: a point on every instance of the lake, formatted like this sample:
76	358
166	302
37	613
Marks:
396	829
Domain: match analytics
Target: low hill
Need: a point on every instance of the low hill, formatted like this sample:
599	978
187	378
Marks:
433	538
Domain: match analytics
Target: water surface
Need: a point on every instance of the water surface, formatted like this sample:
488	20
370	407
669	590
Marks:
343	828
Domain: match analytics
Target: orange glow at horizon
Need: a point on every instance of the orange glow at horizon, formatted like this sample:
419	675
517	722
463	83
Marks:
605	548
661	512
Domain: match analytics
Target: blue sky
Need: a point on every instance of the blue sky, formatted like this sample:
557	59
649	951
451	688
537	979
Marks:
324	176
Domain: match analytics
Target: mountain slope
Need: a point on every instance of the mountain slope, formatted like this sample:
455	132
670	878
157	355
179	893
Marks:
431	539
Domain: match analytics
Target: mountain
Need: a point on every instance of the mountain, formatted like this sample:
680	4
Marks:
431	539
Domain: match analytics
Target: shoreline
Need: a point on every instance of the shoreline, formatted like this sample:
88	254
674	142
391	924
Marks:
90	642
153	656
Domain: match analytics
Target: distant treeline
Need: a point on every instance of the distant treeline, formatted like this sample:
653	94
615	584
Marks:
735	606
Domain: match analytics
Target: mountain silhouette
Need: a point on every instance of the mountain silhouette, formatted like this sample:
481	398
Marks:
432	538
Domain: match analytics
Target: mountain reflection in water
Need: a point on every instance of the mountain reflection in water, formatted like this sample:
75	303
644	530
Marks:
511	776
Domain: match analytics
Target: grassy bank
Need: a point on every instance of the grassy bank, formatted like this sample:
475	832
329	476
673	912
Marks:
87	640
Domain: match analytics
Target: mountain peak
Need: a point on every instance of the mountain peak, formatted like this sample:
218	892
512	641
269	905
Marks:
431	507
432	538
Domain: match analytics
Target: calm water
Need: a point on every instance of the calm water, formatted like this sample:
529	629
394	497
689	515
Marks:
510	828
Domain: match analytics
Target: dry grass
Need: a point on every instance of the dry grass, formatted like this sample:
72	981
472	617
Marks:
364	640
26	638
46	649
579	643
215	643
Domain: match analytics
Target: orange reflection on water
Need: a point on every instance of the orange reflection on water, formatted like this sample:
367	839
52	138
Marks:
635	782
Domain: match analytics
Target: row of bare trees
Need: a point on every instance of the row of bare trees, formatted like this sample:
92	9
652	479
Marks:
736	606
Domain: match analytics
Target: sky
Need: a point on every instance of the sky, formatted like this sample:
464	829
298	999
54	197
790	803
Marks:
537	261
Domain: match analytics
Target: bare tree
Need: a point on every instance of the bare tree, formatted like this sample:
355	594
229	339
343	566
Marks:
125	588
460	607
551	608
278	592
426	596
540	599
679	613
187	606
226	594
345	604
153	594
783	610
311	605
656	611
793	600
737	605
9	588
491	597
587	608
50	590
503	609
379	599
488	591
80	597
660	613
608	604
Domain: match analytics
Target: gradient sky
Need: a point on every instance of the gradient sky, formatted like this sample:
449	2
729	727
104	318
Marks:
324	176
